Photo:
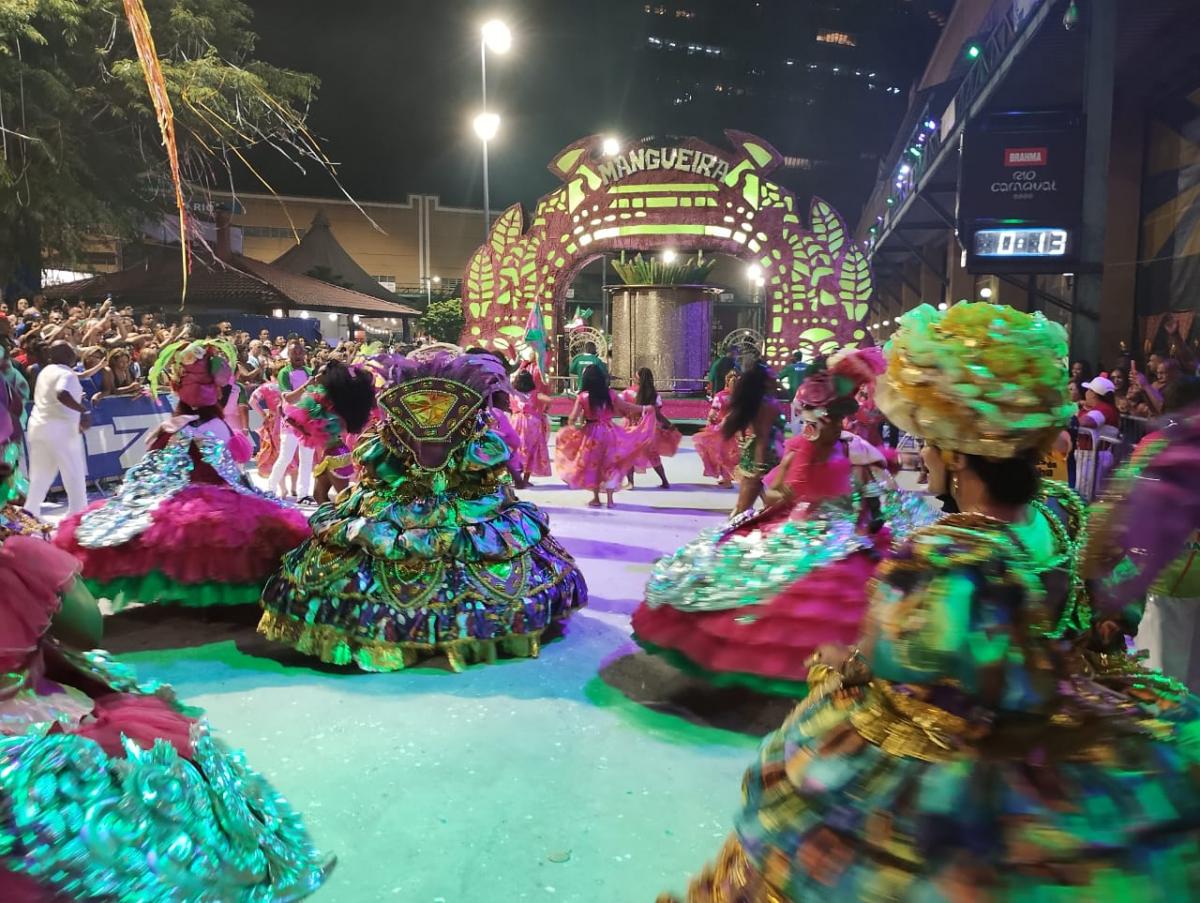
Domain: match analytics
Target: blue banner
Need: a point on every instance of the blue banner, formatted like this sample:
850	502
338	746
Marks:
116	439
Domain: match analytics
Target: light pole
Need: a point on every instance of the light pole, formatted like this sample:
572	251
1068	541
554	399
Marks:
494	35
755	274
429	281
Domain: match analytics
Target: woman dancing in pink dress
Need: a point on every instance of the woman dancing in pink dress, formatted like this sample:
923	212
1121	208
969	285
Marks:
718	454
532	423
594	453
644	395
335	406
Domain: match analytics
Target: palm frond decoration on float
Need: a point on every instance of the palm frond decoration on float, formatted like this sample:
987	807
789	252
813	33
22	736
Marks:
654	270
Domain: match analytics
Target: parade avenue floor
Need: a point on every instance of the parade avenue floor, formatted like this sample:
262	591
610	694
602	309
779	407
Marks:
593	774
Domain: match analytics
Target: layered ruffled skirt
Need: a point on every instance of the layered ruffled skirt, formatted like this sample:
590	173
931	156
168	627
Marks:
872	793
384	582
765	646
207	544
748	603
111	790
142	803
598	456
718	454
534	432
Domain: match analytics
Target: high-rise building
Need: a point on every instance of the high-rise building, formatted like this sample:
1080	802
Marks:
826	81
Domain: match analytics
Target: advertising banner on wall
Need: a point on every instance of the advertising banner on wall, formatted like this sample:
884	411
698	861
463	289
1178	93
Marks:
1021	192
116	439
1168	279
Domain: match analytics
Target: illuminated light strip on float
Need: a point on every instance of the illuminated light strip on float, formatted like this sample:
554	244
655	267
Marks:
665	187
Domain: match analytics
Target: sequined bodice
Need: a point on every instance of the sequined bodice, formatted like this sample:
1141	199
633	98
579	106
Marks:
967	606
163	473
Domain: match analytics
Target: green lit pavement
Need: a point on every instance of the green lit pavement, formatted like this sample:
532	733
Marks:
527	780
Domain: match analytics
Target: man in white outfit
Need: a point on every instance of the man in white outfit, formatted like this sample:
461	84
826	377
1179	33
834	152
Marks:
55	433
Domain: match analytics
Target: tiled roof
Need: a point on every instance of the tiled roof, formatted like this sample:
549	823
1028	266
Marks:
244	284
313	294
320	249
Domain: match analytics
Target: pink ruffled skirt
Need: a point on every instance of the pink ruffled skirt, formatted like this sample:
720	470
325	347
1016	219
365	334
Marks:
772	640
534	432
664	444
598	456
718	454
313	432
207	533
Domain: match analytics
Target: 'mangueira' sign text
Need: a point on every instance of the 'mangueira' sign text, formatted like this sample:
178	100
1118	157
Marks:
647	159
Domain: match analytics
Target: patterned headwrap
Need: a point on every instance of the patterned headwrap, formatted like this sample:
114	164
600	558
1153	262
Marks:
195	370
433	404
840	377
981	379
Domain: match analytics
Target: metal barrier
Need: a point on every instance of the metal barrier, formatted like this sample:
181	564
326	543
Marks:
1134	429
1092	465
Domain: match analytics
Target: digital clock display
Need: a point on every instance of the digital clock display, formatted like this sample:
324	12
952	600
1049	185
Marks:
1021	243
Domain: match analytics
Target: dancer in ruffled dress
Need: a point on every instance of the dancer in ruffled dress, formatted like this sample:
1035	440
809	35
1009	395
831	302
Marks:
754	415
592	452
498	413
185	526
719	454
334	406
954	755
641	395
868	421
111	790
267	402
430	552
747	603
531	420
499	410
293	380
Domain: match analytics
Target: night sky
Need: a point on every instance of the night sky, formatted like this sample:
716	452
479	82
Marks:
400	84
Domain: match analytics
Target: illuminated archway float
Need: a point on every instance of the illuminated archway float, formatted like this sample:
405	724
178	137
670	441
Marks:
684	194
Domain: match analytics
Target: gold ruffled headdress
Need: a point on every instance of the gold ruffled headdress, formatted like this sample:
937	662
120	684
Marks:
981	379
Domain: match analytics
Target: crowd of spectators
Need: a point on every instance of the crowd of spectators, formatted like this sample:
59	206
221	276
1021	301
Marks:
1133	390
116	348
1120	405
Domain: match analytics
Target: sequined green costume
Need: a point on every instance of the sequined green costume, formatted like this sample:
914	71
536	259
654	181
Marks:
432	551
110	789
14	520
